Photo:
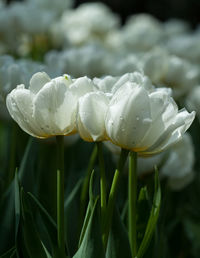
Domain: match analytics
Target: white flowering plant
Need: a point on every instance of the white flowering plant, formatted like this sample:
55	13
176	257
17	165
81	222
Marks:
99	142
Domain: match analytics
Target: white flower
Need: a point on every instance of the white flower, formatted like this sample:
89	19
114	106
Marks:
180	159
193	100
90	22
142	32
175	164
91	60
127	64
48	107
174	27
57	6
13	72
170	71
92	108
186	46
145	121
110	84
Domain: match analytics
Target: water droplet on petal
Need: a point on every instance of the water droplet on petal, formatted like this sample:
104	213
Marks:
147	121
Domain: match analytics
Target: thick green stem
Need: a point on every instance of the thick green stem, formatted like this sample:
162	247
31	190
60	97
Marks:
60	196
132	202
113	195
102	179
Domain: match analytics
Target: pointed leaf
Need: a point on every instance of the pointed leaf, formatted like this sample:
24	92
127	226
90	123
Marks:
91	245
46	220
152	219
21	171
118	242
30	236
10	253
89	209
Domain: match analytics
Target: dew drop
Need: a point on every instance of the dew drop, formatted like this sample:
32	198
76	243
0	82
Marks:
147	121
137	118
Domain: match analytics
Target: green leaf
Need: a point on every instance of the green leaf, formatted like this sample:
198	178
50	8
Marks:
143	210
72	212
192	230
89	209
30	236
10	253
118	242
46	220
152	219
22	170
92	245
7	218
72	195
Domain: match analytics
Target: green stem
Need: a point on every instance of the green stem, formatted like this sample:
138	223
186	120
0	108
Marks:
60	196
112	196
102	179
132	201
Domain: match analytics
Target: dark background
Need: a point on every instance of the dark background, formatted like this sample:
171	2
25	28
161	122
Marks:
188	10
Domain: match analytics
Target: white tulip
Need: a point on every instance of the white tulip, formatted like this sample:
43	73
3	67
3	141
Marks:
170	71
175	164
174	27
48	107
142	32
90	22
105	84
186	46
145	121
180	159
91	60
193	100
92	108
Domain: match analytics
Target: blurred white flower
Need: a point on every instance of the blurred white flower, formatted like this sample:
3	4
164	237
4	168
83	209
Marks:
170	71
180	159
92	108
174	27
175	164
193	100
91	60
48	107
142	32
57	6
186	46
90	22
125	64
13	72
145	121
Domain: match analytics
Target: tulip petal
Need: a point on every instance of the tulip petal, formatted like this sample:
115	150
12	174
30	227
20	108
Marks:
174	132
163	110
37	81
127	110
91	115
20	106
